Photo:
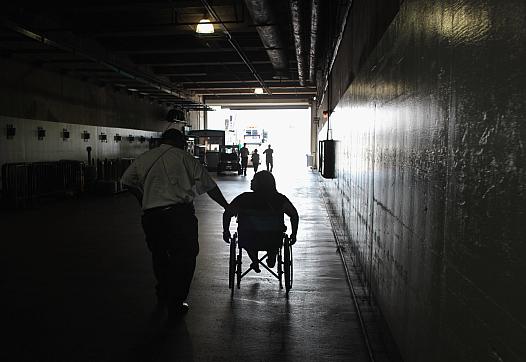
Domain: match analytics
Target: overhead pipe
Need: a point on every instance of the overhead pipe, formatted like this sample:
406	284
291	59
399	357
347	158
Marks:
236	46
297	30
266	24
315	15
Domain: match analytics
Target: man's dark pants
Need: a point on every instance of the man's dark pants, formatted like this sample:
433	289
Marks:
172	237
244	165
270	165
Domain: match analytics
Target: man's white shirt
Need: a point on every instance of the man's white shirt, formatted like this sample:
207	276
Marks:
167	175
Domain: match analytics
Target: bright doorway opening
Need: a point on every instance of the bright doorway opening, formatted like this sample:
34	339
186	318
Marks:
286	130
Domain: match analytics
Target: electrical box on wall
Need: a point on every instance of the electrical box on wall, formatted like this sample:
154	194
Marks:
85	136
327	158
41	133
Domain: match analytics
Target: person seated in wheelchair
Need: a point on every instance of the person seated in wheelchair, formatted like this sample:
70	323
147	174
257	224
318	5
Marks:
260	219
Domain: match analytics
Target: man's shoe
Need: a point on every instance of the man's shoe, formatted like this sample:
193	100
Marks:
176	313
178	309
184	308
255	267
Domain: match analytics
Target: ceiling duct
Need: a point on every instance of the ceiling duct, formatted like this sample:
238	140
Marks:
298	31
267	26
313	39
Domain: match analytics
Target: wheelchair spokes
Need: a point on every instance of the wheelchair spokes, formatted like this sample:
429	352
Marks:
232	263
284	264
288	265
280	268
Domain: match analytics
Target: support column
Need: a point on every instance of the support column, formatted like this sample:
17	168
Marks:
314	124
205	115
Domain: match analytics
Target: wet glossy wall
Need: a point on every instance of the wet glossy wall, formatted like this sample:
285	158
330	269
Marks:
431	178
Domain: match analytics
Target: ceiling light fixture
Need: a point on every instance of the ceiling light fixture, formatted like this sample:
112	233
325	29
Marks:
258	90
204	27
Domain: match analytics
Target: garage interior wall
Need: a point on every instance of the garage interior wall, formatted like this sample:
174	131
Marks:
431	173
32	97
25	146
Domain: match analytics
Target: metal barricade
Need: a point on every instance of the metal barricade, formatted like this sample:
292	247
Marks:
25	183
16	184
109	173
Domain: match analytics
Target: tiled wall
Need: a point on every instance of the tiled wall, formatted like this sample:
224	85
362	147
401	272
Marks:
431	175
26	147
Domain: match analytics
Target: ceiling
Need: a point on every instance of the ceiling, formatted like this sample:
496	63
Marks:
152	48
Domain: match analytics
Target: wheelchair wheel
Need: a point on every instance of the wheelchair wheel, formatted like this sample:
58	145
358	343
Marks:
232	264
280	268
287	264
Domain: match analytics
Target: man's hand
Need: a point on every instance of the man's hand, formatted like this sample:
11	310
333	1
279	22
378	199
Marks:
226	236
293	239
137	193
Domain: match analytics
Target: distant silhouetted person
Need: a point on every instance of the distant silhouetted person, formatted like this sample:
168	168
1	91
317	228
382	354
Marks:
163	180
269	158
255	160
260	218
243	152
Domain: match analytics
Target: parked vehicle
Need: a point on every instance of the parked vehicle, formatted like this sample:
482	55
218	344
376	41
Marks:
229	161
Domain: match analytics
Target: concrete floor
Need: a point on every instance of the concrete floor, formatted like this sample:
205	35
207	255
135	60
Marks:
77	285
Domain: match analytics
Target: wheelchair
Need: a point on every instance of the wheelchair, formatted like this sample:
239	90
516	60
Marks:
284	264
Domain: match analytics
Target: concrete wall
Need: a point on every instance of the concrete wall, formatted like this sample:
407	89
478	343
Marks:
26	147
431	170
32	97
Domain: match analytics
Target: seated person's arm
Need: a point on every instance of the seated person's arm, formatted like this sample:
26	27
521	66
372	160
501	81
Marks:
291	212
230	211
226	226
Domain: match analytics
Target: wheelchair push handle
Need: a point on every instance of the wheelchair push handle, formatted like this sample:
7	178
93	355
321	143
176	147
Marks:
290	239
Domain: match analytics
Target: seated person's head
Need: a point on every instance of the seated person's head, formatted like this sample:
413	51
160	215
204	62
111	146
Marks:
263	182
174	137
